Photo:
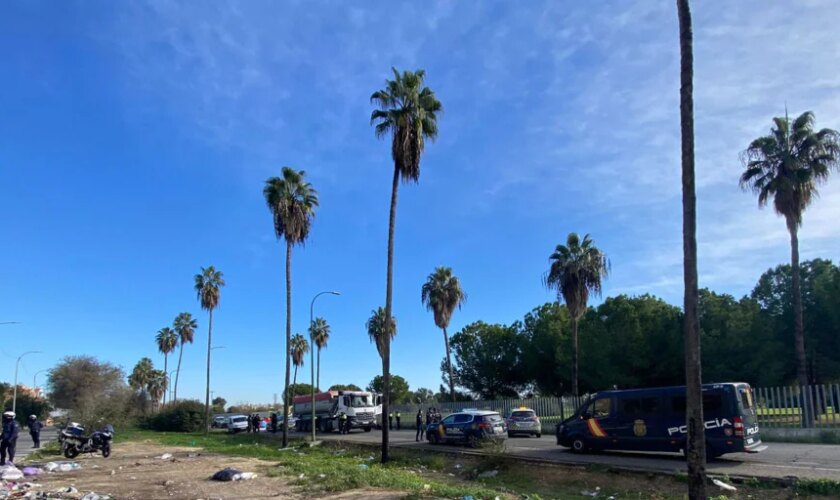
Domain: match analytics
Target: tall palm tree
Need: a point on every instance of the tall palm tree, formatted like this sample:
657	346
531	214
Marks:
319	332
408	111
299	349
185	326
139	378
442	294
786	167
208	289
166	340
292	202
156	386
577	269
376	329
695	440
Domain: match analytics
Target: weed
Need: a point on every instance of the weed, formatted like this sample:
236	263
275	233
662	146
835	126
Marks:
826	487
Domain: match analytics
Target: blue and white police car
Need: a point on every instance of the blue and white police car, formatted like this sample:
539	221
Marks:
468	426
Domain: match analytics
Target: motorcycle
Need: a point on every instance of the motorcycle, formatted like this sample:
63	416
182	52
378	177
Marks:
74	442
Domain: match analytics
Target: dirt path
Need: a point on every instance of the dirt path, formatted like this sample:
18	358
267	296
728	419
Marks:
134	472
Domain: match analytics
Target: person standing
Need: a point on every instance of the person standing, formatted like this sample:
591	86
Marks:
257	422
35	431
8	440
343	426
419	422
391	421
398	420
274	422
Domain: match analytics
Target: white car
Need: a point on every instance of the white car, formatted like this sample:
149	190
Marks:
237	423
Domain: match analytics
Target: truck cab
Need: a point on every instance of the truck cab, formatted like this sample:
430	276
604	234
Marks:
358	406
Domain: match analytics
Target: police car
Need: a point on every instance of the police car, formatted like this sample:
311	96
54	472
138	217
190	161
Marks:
469	426
524	421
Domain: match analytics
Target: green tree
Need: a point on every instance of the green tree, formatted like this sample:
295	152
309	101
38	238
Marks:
786	167
219	404
299	349
399	389
695	447
156	386
442	294
423	395
408	111
88	388
301	390
208	289
344	387
292	202
545	348
489	360
166	340
27	405
185	326
577	269
319	332
140	374
376	329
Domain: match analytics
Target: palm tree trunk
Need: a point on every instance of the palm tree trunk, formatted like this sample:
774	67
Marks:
294	379
318	377
798	328
288	339
386	346
449	366
207	388
696	442
165	375
178	373
575	391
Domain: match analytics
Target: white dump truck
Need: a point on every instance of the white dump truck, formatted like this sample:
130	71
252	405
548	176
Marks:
357	405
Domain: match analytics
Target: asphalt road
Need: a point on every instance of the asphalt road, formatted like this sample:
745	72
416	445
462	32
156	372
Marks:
780	460
24	442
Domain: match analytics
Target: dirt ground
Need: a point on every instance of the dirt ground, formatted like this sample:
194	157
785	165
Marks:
133	472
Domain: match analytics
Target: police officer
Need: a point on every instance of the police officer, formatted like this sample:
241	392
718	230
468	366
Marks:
343	424
257	421
274	422
35	431
391	421
8	440
418	420
398	421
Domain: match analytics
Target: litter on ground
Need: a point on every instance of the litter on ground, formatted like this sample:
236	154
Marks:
720	484
165	456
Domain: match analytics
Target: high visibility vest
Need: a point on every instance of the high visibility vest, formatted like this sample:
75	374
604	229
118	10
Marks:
398	414
343	417
390	415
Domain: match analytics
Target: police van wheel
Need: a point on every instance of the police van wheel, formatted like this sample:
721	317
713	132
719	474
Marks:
539	434
368	429
434	439
578	445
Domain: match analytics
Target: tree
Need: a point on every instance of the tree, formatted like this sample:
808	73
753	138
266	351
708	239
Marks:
299	349
695	447
399	389
489	360
423	395
344	387
185	326
376	329
166	340
787	166
408	111
140	375
89	389
219	404
156	386
208	285
27	404
442	294
292	202
319	332
577	269
301	390
545	348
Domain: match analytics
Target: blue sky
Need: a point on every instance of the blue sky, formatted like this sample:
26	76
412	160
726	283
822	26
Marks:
135	138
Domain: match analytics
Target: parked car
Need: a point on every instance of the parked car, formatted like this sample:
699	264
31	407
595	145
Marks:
220	422
524	421
469	427
237	423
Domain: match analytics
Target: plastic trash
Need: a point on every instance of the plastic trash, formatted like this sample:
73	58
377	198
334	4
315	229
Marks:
720	484
363	466
488	473
244	476
467	497
31	471
321	476
68	466
92	496
301	476
11	473
458	466
51	467
592	494
165	456
226	474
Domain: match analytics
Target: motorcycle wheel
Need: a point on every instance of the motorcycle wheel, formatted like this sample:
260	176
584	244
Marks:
106	451
71	452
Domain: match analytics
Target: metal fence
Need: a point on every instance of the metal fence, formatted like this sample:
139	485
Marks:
776	407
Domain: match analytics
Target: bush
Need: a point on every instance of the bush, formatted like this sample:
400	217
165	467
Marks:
182	416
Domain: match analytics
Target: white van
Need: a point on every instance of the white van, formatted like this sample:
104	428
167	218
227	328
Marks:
237	423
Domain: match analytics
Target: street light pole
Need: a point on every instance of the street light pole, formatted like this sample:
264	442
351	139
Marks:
312	352
17	365
35	377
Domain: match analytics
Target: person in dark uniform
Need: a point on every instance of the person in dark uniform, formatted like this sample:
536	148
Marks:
391	421
398	421
35	431
343	424
418	420
8	440
274	422
257	422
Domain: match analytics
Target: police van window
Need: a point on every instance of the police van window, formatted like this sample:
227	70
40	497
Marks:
462	418
650	406
712	403
449	420
630	407
745	395
602	408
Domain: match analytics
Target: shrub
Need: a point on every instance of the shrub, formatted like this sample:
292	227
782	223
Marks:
182	416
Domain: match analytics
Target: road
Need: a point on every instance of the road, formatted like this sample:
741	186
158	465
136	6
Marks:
780	460
24	442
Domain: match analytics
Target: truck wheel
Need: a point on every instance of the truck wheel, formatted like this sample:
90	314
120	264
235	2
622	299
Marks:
368	429
578	445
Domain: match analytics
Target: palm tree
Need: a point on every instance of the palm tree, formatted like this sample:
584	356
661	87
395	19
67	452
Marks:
292	202
139	378
208	289
442	294
577	269
185	326
156	385
299	349
166	340
376	329
408	111
695	440
320	334
787	166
